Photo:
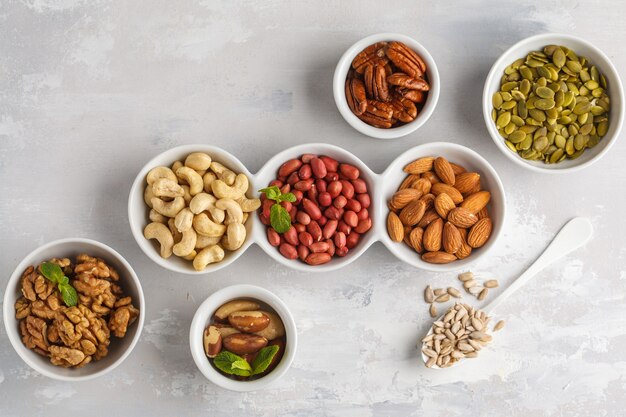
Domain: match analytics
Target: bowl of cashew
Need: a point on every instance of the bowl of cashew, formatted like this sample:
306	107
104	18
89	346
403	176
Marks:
191	209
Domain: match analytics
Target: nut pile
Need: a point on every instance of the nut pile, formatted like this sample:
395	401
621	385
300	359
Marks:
474	287
73	336
198	209
461	333
440	210
387	85
330	212
244	327
551	105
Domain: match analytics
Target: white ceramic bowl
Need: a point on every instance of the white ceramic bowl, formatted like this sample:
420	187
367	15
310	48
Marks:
582	48
380	187
203	316
473	162
339	81
119	348
138	210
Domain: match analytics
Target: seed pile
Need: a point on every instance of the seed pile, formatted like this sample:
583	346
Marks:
439	295
478	289
462	333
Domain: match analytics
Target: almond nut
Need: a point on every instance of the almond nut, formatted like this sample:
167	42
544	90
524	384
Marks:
415	239
462	217
467	182
452	239
430	176
249	321
240	343
443	205
409	181
422	185
395	228
479	233
454	194
457	169
403	197
413	213
429	217
477	201
444	170
433	235
429	199
438	257
419	166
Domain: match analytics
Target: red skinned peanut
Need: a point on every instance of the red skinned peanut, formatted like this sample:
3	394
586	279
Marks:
349	171
288	167
364	199
311	209
305	238
340	202
363	225
305	172
353	205
273	237
306	158
303	252
318	247
318	258
324	199
331	164
318	167
359	185
340	240
350	218
302	217
300	227
331	176
291	236
363	214
288	251
329	229
315	230
343	251
352	240
347	189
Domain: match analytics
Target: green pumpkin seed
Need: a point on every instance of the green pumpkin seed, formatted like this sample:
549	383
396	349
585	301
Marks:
526	143
544	92
540	144
558	57
559	141
544	103
510	128
574	66
602	128
517	121
518	95
508	86
503	119
569	146
510	146
522	111
556	156
517	136
508	105
586	128
496	100
538	115
526	73
581	108
593	141
579	142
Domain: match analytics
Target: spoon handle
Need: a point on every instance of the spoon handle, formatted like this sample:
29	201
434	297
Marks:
572	236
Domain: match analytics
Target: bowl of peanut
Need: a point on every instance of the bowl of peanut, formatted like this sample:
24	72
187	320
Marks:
386	85
78	308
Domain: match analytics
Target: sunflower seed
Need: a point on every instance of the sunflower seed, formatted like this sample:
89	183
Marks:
443	298
454	292
492	283
499	325
469	284
475	290
483	294
439	291
432	310
466	276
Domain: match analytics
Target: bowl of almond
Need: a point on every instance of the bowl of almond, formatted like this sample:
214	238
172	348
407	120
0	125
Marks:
446	206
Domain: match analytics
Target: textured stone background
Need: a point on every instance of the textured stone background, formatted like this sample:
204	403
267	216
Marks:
90	90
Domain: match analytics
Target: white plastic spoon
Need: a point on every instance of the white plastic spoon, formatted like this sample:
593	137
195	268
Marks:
572	236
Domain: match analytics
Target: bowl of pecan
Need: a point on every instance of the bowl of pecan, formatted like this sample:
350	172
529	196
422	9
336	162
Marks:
386	85
78	308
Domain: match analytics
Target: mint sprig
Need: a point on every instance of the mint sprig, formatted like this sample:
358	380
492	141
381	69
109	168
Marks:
279	216
54	273
232	364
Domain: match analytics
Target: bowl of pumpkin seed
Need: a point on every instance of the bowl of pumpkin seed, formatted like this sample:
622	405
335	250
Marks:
553	103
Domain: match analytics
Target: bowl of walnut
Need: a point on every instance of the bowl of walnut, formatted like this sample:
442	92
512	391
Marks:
78	308
386	85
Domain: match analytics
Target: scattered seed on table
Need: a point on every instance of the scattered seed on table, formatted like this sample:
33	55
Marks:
483	294
499	325
492	283
428	294
466	276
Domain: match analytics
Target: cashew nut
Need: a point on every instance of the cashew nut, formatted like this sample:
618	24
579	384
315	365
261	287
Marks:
187	195
245	218
186	244
203	201
183	220
234	214
204	241
165	187
193	179
148	195
235	236
170	208
161	233
207	227
237	190
157	217
198	161
207	256
249	204
190	256
208	178
160	172
200	172
223	173
176	165
174	231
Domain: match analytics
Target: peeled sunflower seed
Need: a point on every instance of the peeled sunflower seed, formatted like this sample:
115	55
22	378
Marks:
554	89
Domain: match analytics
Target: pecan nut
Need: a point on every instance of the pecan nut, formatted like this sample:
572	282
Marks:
404	109
409	82
355	95
372	55
406	59
416	96
376	82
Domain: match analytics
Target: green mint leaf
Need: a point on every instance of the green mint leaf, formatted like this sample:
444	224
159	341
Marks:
279	218
271	193
287	197
64	280
70	298
263	359
232	364
52	271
